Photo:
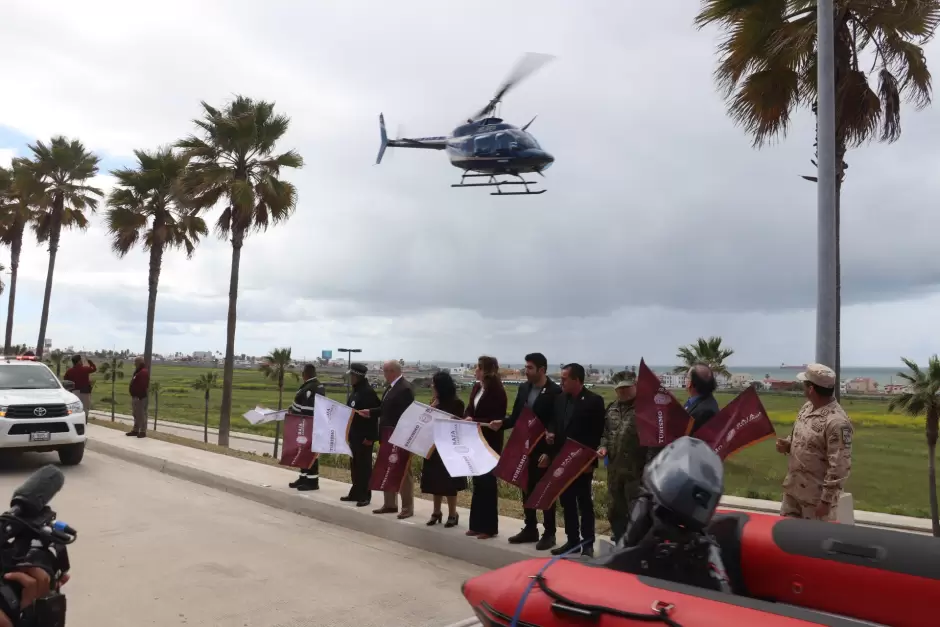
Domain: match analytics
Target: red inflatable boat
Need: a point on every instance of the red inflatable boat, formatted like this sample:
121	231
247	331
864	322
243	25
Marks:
783	573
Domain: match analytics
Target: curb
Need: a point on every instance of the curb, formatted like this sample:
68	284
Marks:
469	550
239	435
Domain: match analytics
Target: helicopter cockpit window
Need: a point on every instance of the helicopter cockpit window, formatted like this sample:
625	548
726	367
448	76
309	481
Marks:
484	145
524	140
505	142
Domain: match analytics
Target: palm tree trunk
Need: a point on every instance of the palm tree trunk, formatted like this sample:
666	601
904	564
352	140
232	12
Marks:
15	248
54	233
277	423
225	413
205	424
932	432
113	391
156	260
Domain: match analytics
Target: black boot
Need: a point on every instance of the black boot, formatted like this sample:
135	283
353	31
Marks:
547	541
528	534
309	484
296	482
567	546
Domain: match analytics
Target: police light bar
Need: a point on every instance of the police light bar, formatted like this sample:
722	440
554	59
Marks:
25	358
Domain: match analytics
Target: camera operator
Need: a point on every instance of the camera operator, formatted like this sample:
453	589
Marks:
35	584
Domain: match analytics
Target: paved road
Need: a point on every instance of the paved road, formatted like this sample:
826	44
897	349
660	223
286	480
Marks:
153	550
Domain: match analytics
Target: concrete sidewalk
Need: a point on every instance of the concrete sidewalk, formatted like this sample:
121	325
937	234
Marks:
261	444
268	485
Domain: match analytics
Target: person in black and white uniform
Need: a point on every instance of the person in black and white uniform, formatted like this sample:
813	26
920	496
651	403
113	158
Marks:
309	478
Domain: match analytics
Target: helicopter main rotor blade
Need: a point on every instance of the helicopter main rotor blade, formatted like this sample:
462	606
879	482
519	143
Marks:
527	65
529	123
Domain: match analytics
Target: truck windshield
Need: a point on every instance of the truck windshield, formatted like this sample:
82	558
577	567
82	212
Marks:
23	377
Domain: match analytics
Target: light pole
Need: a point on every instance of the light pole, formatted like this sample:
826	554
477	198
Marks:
349	352
827	307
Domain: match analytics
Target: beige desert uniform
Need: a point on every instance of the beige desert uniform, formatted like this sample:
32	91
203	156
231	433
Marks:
820	457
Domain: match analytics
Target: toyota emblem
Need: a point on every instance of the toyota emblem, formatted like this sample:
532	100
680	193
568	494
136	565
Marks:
39	411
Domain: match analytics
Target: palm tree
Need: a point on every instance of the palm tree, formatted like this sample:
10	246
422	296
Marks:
56	358
155	392
22	192
62	167
274	367
234	163
112	371
206	383
767	68
705	351
923	397
148	206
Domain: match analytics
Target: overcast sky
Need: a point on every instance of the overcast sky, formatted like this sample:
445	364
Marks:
661	223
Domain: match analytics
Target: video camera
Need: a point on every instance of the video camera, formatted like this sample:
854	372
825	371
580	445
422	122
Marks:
666	536
30	536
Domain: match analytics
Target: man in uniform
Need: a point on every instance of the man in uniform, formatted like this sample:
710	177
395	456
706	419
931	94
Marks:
538	394
626	459
820	450
309	478
362	435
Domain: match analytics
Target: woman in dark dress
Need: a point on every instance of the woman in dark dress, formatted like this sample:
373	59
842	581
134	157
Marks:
434	477
487	403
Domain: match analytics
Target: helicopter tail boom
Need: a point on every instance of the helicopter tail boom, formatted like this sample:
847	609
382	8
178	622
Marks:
428	143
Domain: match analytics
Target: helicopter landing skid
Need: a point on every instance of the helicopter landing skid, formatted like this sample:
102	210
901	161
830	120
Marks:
497	184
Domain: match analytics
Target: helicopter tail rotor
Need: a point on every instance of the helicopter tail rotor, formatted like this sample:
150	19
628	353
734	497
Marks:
384	143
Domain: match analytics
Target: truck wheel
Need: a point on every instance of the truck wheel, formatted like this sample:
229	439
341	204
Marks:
72	454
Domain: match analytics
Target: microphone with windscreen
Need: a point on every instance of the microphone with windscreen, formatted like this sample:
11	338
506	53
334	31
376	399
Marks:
31	498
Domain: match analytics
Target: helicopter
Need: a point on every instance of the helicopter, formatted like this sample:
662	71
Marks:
486	146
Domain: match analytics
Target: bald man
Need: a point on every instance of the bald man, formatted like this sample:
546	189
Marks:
397	398
701	385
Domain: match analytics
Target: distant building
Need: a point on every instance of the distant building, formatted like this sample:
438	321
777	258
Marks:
739	380
861	385
202	355
672	381
896	388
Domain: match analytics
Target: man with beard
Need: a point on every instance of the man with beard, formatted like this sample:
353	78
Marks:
626	458
362	435
304	399
538	394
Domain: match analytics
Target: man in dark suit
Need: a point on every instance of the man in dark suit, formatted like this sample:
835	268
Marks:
538	394
579	415
397	398
701	386
362	435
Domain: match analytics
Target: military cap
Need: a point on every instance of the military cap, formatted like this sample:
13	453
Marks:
821	375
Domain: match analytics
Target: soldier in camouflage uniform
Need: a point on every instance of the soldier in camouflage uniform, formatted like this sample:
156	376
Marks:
820	450
626	459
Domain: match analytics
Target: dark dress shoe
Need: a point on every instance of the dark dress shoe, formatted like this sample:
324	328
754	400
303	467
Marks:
528	534
348	499
452	521
131	433
385	510
142	434
587	551
363	503
564	548
547	542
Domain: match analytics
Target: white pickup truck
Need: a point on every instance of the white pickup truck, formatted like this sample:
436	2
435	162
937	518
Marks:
38	413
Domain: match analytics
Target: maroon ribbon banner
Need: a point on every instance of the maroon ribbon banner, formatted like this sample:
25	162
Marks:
391	464
513	466
567	466
298	436
743	422
660	418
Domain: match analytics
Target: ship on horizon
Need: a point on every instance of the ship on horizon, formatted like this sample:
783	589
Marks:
786	367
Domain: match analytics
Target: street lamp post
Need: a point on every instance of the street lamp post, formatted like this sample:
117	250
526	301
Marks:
827	304
349	352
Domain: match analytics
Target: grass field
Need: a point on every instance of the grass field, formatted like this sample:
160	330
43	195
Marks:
889	462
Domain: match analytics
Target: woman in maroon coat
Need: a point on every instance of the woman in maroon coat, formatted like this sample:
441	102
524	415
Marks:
434	476
487	403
